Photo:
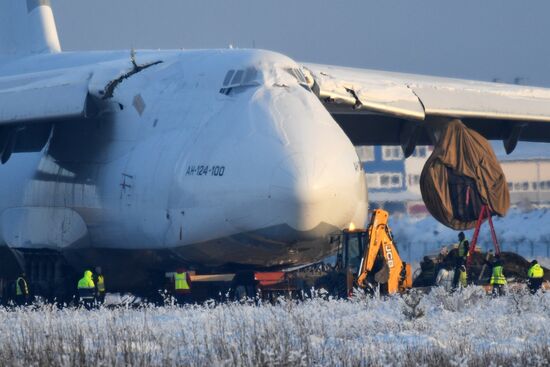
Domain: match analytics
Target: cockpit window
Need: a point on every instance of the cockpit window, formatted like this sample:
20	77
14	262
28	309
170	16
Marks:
237	78
228	77
240	79
250	76
299	76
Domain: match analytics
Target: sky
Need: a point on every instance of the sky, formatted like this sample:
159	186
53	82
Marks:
506	40
470	39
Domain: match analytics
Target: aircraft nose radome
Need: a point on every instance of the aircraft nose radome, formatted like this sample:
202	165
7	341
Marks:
312	188
316	178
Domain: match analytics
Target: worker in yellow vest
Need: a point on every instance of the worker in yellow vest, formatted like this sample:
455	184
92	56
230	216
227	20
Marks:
21	290
463	276
86	290
460	259
536	276
100	284
463	247
498	280
182	286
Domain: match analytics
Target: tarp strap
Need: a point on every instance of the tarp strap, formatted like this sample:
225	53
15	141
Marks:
484	214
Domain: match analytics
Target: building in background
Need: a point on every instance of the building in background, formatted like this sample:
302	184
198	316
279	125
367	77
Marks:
394	182
528	181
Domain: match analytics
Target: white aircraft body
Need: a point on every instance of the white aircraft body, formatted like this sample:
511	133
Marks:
142	161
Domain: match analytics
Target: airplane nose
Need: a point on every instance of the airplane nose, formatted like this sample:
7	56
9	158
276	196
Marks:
313	176
311	189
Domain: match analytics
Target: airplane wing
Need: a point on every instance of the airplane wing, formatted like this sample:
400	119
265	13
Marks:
30	103
375	107
39	97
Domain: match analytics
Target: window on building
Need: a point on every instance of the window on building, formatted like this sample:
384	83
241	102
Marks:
365	153
373	180
384	180
391	180
521	186
392	153
395	180
413	180
420	152
534	186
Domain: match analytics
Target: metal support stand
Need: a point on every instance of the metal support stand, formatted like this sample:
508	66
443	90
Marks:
485	214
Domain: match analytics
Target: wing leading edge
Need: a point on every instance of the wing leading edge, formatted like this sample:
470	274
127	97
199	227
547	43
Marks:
375	107
31	103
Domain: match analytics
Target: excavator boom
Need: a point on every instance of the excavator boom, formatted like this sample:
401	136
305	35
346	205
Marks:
381	256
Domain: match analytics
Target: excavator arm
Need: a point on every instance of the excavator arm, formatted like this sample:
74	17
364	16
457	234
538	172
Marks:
380	245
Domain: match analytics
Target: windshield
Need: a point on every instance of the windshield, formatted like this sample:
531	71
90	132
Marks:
355	250
241	79
236	80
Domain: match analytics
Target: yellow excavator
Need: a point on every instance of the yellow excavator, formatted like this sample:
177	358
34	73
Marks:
370	258
366	258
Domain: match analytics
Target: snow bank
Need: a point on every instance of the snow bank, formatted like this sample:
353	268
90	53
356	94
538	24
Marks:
466	328
525	233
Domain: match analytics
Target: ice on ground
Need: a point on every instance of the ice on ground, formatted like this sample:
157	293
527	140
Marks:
465	328
526	233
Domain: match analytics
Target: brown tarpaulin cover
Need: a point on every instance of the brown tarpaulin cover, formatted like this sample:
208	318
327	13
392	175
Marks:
460	176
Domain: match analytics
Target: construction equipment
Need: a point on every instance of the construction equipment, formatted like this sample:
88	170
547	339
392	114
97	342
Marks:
381	262
366	259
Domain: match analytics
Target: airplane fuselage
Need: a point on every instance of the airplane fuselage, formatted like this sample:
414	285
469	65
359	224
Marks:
208	158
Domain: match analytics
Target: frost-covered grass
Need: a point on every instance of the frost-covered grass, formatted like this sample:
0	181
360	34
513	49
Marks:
467	328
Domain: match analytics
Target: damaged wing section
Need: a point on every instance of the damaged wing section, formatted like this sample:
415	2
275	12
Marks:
110	87
375	107
342	93
456	116
30	104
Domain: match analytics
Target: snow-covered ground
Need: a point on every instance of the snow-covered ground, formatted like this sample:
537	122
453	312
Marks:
527	234
463	329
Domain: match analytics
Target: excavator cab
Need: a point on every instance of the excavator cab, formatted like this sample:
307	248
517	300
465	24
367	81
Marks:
348	259
353	246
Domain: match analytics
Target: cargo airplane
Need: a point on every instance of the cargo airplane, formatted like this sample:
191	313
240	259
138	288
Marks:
141	161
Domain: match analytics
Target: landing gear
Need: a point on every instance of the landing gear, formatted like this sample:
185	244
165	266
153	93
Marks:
10	268
49	275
